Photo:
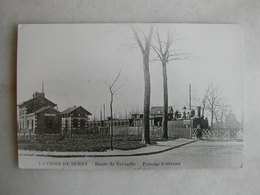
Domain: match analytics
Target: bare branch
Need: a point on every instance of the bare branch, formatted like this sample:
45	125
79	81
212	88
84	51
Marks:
144	35
168	44
155	59
111	86
184	58
159	42
138	39
148	40
163	50
107	83
157	50
118	88
177	54
118	75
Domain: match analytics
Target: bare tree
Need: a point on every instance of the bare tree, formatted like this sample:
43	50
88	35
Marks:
145	49
222	112
212	99
134	110
112	91
204	101
166	54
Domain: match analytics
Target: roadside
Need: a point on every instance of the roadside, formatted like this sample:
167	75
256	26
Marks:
161	146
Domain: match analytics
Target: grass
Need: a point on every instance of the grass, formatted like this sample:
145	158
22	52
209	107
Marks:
90	143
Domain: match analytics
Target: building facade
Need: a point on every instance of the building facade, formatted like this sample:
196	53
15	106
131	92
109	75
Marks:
38	115
156	114
74	119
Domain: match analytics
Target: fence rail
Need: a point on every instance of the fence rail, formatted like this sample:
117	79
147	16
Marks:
155	132
220	134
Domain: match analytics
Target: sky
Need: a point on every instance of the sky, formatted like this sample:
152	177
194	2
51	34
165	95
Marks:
76	60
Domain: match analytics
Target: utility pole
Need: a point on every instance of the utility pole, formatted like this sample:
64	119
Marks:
190	95
42	86
190	109
104	107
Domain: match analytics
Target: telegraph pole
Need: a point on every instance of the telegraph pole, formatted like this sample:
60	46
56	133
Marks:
42	86
190	109
104	107
190	95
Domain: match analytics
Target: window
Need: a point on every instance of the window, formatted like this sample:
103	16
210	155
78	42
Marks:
66	123
82	123
49	123
75	123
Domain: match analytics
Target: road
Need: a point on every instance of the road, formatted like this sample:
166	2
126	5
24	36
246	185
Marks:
199	154
205	154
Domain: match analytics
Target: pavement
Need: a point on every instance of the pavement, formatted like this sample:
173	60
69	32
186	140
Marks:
203	154
160	147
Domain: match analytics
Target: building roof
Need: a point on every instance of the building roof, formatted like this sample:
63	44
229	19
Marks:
72	109
45	108
69	110
159	110
36	103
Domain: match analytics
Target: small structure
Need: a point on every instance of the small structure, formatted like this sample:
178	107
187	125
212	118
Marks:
157	114
136	120
38	115
74	119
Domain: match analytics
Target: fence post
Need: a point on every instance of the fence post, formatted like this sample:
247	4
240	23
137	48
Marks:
190	133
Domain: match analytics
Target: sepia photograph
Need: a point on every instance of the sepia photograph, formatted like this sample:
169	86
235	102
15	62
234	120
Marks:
130	96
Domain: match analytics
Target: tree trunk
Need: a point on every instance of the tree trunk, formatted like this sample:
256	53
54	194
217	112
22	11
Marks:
147	83
217	121
165	102
111	122
147	95
212	115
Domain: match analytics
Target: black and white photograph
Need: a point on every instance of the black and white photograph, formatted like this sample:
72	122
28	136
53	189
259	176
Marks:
130	96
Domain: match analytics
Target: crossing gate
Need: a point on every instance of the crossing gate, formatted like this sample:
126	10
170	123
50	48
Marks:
220	134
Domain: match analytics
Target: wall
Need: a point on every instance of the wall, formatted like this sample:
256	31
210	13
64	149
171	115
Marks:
179	133
173	132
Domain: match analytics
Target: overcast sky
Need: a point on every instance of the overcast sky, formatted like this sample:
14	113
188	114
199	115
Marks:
74	61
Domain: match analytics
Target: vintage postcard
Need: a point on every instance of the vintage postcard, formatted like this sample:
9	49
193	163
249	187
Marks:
130	96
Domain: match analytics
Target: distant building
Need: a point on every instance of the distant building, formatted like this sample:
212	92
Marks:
74	119
156	113
136	120
156	116
38	115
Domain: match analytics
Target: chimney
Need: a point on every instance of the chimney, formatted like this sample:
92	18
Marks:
42	87
38	94
199	110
